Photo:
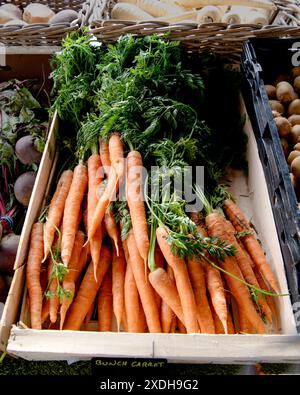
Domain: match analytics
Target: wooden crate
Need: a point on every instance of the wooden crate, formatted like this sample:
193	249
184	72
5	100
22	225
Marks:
281	345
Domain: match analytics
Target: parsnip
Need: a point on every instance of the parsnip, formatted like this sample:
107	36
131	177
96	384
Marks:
264	4
155	8
209	14
129	12
189	15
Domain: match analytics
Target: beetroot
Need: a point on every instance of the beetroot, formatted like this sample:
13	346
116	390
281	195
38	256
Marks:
23	187
8	251
26	151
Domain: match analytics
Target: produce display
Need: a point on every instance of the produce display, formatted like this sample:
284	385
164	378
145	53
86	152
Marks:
197	11
11	14
23	129
121	249
285	105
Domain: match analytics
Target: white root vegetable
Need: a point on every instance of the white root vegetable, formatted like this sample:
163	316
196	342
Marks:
209	14
185	16
129	12
232	17
264	4
256	18
155	8
6	16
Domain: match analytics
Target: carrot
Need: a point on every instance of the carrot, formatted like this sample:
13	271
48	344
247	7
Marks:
134	195
164	284
167	317
115	175
118	280
244	324
72	210
33	269
143	328
215	285
219	327
87	291
251	243
247	271
112	228
56	210
94	182
104	155
145	289
216	228
90	313
181	327
105	305
72	275
182	280
197	277
131	301
173	324
53	299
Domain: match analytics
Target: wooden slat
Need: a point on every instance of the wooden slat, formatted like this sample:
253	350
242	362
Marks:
225	349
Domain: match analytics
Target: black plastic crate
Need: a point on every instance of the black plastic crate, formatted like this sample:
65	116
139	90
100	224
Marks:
262	61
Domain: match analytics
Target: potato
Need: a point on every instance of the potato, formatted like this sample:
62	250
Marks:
294	107
283	126
276	106
276	114
295	134
12	9
292	156
295	71
65	16
297	84
37	13
285	147
295	167
297	147
282	78
285	92
271	91
294	119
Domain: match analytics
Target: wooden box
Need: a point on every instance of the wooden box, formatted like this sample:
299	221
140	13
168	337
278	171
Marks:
280	346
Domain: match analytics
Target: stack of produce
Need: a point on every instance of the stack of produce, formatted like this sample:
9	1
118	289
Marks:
11	14
285	104
22	135
144	264
196	11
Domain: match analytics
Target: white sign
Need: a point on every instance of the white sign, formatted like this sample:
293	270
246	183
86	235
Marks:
2	55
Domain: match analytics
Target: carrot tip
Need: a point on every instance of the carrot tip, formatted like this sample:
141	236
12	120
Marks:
86	243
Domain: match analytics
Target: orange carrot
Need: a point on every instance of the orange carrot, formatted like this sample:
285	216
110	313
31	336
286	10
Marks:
131	301
104	155
247	271
143	328
89	315
134	195
219	327
56	210
71	276
165	286
112	227
105	305
244	324
251	243
167	317
72	210
87	291
53	299
145	289
183	283
115	175
181	327
173	324
197	277
94	182
33	269
216	228
215	285
118	280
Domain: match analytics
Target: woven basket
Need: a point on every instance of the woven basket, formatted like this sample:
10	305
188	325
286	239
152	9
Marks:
220	38
46	34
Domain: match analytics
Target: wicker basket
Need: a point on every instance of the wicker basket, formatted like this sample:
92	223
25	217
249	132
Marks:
46	34
220	38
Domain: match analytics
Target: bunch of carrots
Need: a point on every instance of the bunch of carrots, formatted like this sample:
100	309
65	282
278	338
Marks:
86	261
